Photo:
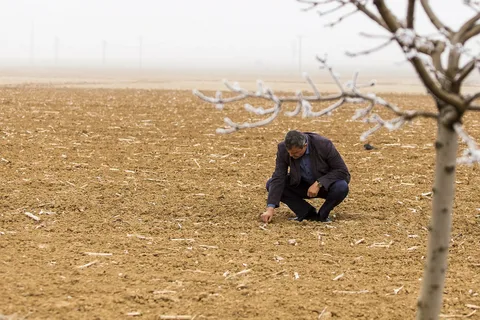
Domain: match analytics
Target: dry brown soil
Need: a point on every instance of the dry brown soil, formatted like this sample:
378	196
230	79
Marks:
141	176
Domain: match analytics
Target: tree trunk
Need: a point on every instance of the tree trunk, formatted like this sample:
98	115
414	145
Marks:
430	301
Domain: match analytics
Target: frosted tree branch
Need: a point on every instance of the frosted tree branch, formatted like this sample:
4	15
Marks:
393	124
365	52
310	82
298	108
340	19
349	93
314	4
233	126
324	13
235	87
335	77
379	36
472	153
434	19
362	113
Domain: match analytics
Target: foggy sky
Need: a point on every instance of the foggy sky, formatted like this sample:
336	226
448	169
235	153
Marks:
197	34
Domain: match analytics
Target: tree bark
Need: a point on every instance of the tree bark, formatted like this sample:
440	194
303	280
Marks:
430	300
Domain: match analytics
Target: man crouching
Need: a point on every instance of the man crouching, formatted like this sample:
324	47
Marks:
316	171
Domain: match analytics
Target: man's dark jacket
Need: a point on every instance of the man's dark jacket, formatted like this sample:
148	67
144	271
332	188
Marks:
327	166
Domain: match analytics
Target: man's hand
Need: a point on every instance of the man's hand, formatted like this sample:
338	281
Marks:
267	216
313	190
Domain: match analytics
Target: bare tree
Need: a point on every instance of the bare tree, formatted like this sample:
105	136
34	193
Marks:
442	63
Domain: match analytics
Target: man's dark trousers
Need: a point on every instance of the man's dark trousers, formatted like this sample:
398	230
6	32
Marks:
293	197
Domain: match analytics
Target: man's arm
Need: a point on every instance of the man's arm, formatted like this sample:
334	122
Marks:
338	168
277	183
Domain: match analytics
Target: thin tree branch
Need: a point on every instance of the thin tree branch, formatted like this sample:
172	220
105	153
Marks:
370	131
259	111
472	153
439	75
474	31
378	36
235	87
232	126
360	6
310	82
314	4
362	113
472	98
392	124
433	18
365	52
297	108
465	71
410	14
473	108
324	13
389	18
438	92
357	3
467	26
218	99
334	23
323	61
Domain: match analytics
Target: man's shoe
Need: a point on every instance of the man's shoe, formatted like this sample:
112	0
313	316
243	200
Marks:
311	216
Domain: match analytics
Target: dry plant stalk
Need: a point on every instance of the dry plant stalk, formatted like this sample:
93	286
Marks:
32	216
338	277
238	273
322	313
88	264
98	254
351	292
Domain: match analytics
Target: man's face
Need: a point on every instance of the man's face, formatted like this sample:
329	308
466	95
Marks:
296	152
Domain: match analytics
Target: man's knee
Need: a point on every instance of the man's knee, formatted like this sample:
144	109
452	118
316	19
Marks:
339	189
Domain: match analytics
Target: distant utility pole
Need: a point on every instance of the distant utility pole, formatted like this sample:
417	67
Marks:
104	52
300	53
294	54
56	45
140	52
32	44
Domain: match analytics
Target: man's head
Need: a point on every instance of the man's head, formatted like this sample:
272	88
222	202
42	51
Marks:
296	143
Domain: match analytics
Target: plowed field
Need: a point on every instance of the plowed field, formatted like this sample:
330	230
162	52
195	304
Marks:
144	212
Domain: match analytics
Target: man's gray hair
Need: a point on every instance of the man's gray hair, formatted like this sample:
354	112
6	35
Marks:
295	138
